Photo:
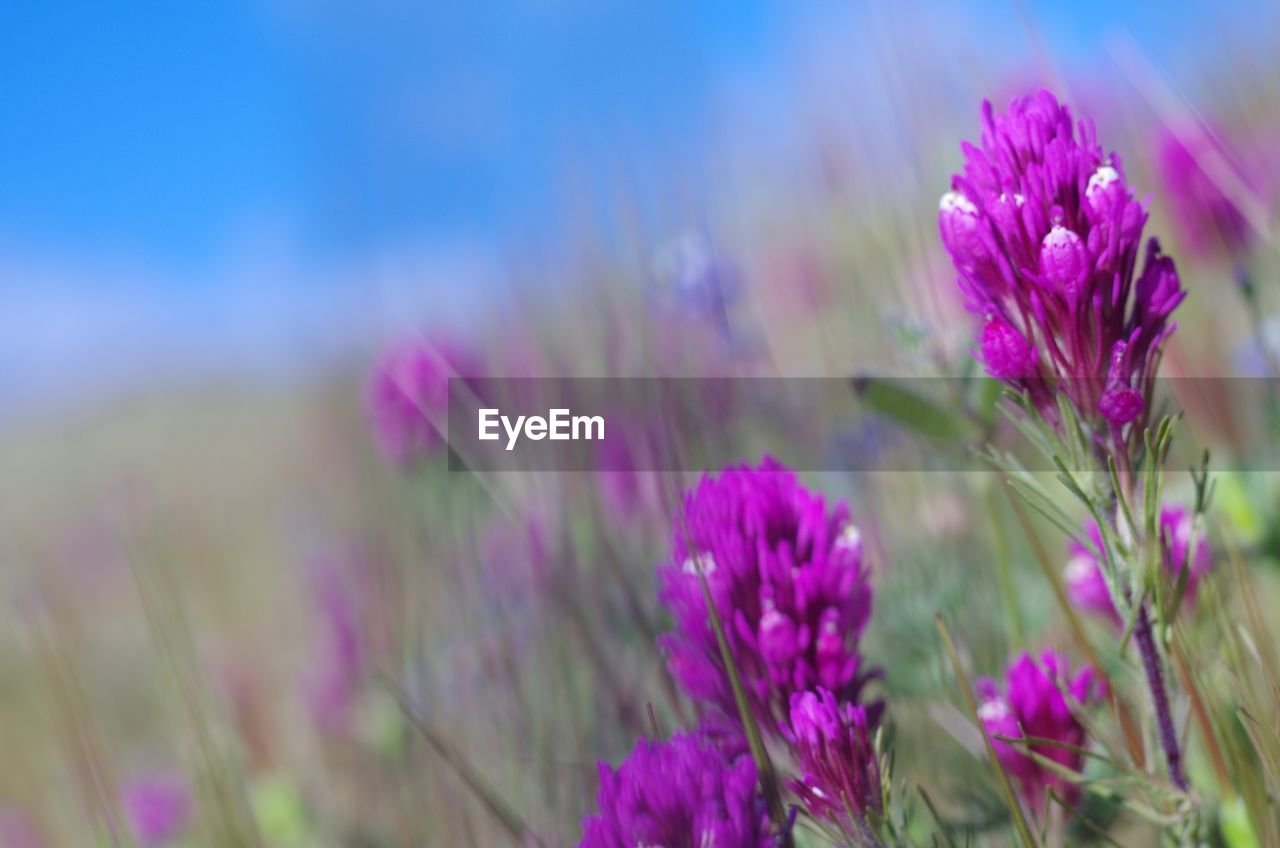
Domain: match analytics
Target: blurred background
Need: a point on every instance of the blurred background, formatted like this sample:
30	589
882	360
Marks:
215	219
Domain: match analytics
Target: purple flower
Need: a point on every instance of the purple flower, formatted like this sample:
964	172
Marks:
1007	353
407	397
694	280
1087	588
787	579
516	562
17	830
1045	235
158	807
1033	705
333	680
682	793
833	746
1199	172
626	486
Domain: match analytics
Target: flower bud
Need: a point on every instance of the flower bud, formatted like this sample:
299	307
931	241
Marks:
1006	351
832	742
1105	192
958	222
777	637
1120	405
1064	261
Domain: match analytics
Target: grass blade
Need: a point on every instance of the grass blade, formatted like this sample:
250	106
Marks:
1006	788
764	766
488	796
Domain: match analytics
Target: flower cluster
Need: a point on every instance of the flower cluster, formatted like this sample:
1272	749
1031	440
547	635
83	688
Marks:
785	573
1087	587
407	396
682	793
1033	704
1045	233
833	745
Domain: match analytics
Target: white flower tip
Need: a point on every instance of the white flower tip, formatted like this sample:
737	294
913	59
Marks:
1182	530
1079	568
850	539
703	562
994	710
1060	235
954	201
1103	177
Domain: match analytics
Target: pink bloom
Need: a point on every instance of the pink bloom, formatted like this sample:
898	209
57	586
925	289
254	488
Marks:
17	830
158	807
1045	237
833	746
407	398
1087	588
682	793
1006	352
1205	182
1032	704
332	681
786	574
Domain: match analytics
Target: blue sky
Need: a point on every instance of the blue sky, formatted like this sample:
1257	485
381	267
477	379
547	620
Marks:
162	164
164	129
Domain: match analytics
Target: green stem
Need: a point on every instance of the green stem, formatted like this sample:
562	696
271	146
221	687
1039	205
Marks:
764	766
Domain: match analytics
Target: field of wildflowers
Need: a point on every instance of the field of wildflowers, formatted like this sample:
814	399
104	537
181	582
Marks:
1001	571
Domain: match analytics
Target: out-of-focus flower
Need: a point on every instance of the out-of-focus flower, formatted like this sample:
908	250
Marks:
407	397
1045	234
17	830
626	485
786	575
693	279
516	564
833	746
517	551
682	793
1033	705
158	807
1199	172
332	682
1087	588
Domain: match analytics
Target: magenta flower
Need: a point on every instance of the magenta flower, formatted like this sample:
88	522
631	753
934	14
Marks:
332	682
787	579
1087	588
833	746
682	793
1033	705
158	807
1199	171
17	830
1045	234
626	487
516	559
407	397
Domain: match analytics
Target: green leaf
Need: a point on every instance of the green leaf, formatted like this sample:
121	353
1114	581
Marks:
1233	820
892	399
